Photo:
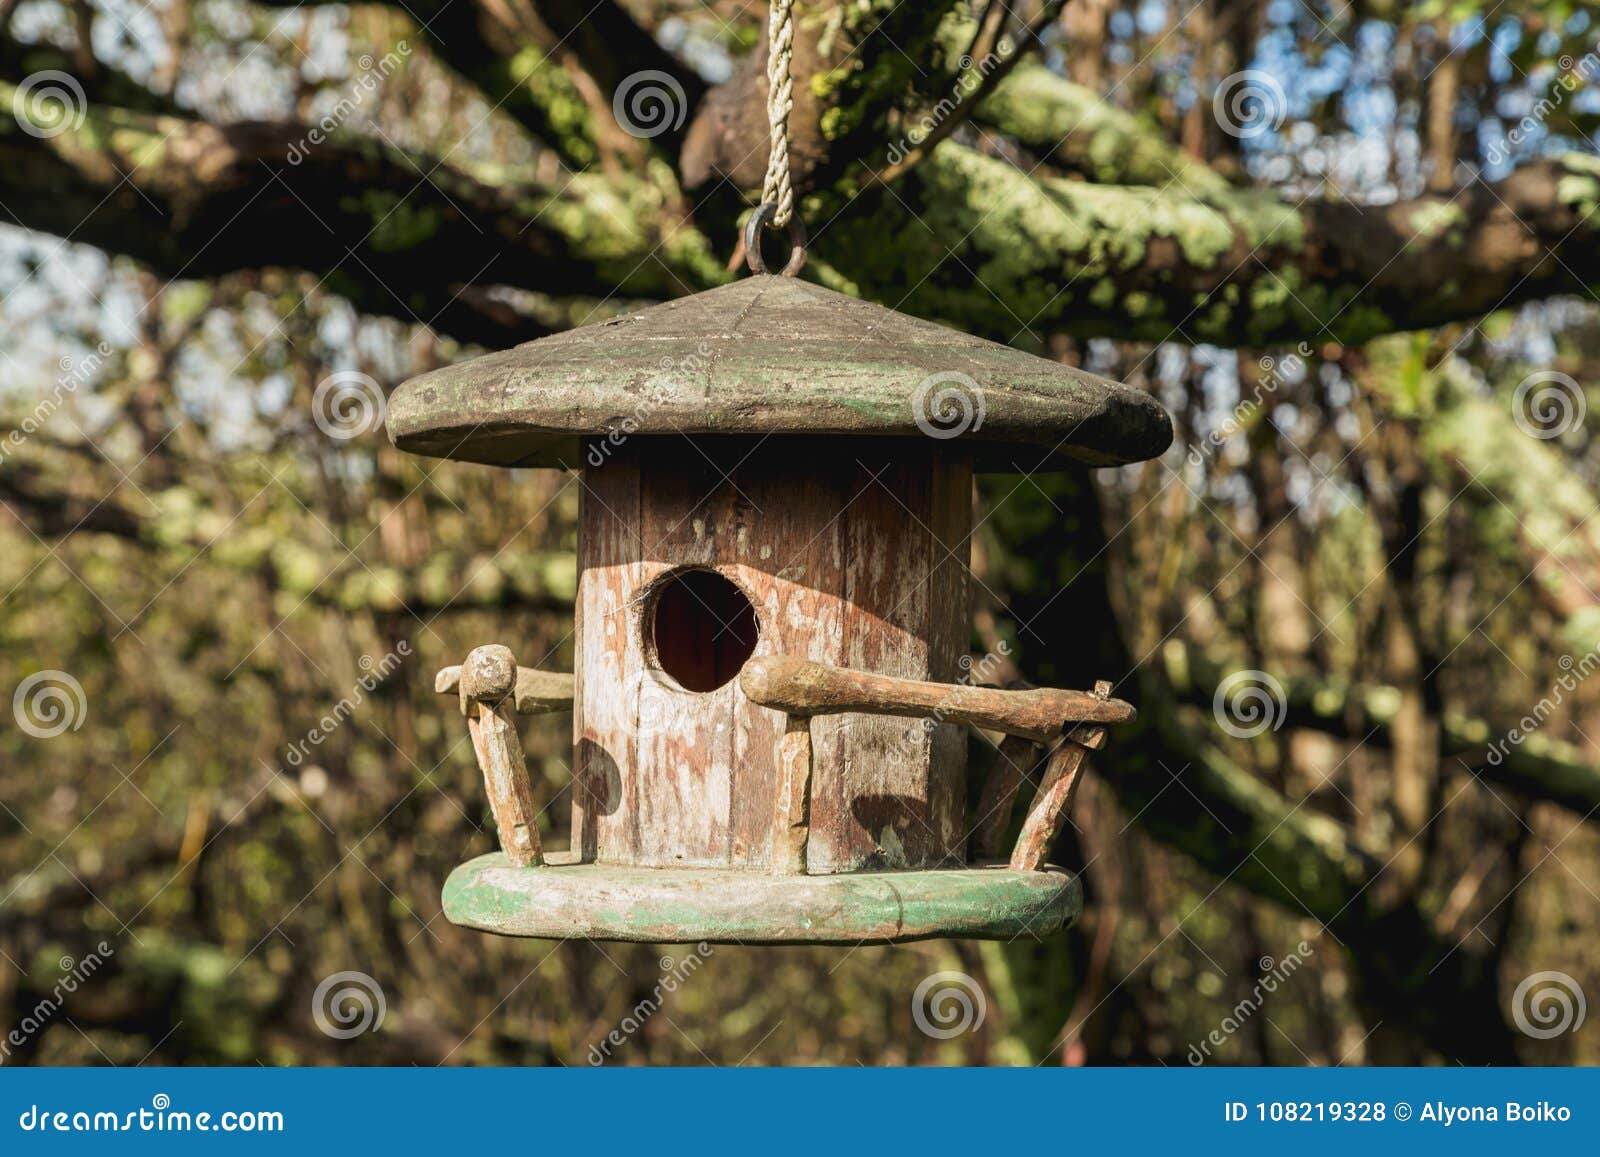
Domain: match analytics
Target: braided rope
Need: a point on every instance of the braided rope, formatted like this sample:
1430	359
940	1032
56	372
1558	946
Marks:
780	99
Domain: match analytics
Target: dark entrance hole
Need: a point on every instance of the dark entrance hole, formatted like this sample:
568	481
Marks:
703	628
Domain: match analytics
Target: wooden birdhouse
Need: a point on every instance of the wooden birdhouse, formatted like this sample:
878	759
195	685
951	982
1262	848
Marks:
773	683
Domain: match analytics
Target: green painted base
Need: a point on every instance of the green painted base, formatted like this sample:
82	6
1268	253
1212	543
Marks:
723	906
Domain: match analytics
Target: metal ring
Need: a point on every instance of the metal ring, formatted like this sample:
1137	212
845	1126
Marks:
752	240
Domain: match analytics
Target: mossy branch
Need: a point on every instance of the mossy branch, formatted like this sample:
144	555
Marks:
399	234
1235	267
1536	766
554	67
1075	130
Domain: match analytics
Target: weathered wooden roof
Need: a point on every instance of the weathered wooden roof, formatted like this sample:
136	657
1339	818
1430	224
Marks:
776	356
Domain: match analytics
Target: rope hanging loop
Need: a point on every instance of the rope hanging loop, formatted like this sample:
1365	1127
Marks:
776	188
777	191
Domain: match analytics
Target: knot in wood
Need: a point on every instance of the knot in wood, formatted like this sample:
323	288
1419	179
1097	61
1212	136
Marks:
489	674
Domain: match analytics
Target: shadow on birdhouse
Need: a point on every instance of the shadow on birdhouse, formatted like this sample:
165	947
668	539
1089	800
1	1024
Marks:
770	699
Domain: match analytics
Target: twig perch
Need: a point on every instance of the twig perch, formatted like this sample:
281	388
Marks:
800	687
536	692
493	690
1030	717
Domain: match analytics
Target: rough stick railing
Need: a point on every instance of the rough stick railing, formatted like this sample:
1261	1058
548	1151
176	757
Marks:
791	822
493	690
1015	761
803	689
1057	788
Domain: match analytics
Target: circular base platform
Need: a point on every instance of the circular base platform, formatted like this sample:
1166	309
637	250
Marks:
726	906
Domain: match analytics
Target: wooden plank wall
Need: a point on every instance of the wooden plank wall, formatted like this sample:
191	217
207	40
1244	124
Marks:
854	554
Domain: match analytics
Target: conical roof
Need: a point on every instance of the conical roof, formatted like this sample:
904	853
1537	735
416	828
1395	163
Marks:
777	356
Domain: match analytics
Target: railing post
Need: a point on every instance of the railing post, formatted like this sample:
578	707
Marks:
488	683
1057	787
791	823
1015	760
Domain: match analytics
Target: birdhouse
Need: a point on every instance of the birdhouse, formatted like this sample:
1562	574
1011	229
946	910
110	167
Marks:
773	685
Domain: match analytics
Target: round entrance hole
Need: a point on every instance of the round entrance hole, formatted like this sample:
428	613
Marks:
702	628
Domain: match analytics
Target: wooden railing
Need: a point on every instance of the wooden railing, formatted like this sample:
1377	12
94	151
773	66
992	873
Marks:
1060	726
493	689
1066	724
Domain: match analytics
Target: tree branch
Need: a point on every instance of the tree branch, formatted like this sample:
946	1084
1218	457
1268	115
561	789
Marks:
107	84
843	96
995	58
1250	835
1187	793
1075	130
555	67
1536	500
1240	267
1535	766
403	237
399	235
